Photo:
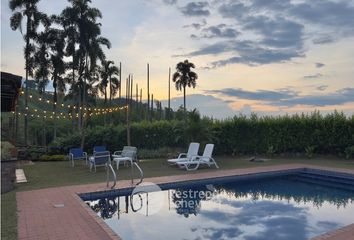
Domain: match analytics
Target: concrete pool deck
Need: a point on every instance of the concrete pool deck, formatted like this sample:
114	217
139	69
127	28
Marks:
59	213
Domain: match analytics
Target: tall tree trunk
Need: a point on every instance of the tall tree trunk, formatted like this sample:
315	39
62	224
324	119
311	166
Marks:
105	105
148	92
83	104
184	98
55	106
128	110
169	93
16	124
120	81
110	92
152	106
26	89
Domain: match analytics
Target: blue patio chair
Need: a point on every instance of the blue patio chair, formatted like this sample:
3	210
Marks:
77	154
100	159
99	149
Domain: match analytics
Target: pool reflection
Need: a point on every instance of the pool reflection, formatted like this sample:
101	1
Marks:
268	209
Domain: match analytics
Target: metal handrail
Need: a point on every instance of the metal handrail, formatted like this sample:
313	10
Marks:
132	202
110	168
141	173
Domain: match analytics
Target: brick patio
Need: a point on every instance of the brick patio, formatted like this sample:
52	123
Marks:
38	218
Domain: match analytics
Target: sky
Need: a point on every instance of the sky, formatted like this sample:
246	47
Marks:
270	57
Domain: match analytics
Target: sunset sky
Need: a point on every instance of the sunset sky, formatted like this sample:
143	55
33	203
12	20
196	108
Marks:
263	56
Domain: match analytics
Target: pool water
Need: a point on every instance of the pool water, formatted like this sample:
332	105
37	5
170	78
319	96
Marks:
286	207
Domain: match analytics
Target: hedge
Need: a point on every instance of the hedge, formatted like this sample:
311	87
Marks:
326	134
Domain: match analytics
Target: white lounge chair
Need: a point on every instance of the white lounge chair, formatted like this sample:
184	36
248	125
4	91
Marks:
198	160
192	152
128	154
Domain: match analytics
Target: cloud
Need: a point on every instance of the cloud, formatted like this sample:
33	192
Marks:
207	105
263	95
275	31
170	2
278	32
338	97
314	76
234	10
247	52
219	31
326	13
196	9
289	97
323	40
196	26
319	65
322	87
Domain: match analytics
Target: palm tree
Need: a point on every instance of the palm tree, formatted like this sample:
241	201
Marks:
83	34
28	9
41	59
184	77
84	41
109	74
102	86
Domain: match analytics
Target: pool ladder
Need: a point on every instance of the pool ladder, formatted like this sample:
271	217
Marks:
109	169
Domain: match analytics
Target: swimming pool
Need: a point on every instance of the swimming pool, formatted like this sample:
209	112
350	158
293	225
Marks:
283	205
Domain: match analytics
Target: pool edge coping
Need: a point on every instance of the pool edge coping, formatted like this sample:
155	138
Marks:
76	190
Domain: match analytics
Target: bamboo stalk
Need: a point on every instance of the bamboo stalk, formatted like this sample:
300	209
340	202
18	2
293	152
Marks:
120	81
148	91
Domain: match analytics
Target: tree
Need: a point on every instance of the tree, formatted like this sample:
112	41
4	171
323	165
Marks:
41	59
184	77
109	74
28	9
84	46
84	42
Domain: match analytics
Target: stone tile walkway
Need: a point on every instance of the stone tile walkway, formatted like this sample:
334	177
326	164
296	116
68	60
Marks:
59	213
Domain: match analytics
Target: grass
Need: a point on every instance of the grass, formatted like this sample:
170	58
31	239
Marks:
54	174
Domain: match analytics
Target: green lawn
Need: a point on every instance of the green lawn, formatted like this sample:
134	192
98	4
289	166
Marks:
53	174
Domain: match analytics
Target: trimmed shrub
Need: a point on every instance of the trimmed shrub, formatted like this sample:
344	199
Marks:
311	134
53	158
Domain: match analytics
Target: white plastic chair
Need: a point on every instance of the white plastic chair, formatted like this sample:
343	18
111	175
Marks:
196	161
128	154
192	152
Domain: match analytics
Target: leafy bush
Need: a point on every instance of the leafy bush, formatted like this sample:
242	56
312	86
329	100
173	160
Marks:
7	151
310	151
349	152
331	134
53	158
158	153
